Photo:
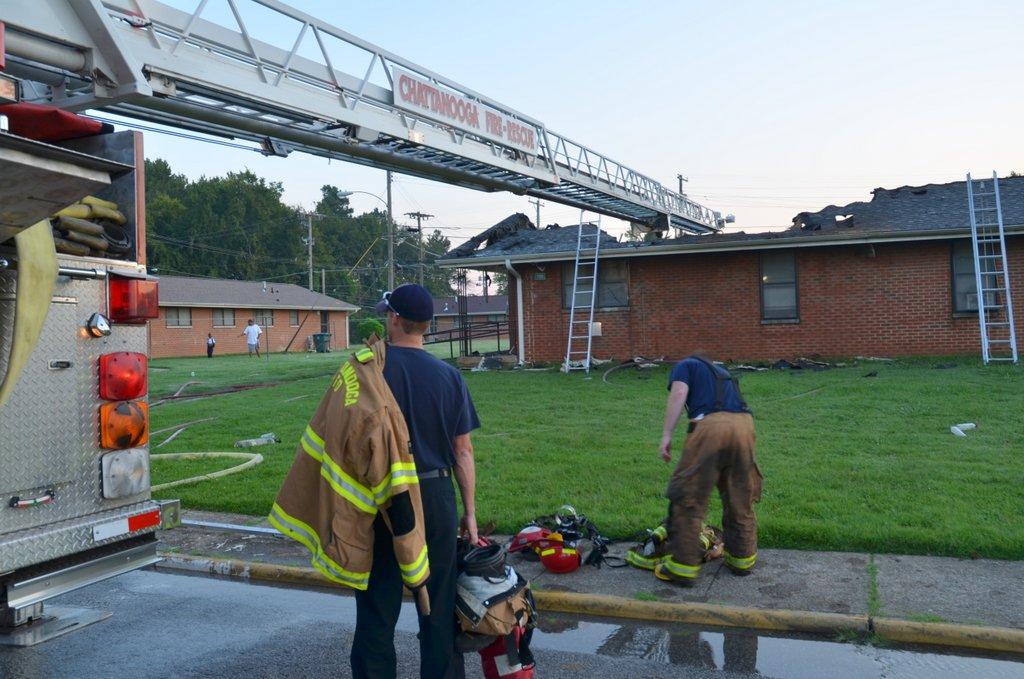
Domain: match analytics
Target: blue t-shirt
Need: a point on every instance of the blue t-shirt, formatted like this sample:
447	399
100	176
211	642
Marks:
434	401
701	399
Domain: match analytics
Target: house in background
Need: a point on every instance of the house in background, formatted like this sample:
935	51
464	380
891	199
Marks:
192	307
490	309
893	276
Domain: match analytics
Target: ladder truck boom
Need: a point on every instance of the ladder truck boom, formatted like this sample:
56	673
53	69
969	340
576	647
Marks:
147	60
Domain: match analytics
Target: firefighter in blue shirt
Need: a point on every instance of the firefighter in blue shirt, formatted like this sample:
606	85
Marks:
439	414
719	451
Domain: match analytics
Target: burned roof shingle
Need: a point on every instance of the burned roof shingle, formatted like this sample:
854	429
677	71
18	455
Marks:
904	210
930	207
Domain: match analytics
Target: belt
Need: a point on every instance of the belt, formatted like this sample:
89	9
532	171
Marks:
435	474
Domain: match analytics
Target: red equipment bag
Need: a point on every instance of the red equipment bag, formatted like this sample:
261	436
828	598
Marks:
509	656
50	124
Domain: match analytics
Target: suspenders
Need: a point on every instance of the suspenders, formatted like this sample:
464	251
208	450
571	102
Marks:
722	379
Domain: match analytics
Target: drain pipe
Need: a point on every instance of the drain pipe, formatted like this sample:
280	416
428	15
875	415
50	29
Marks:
520	339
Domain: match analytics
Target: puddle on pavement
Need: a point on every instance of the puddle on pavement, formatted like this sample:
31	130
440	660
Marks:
749	654
671	648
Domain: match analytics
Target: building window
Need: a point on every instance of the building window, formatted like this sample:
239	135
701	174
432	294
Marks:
612	285
778	287
263	317
495	318
178	317
223	318
293	317
965	285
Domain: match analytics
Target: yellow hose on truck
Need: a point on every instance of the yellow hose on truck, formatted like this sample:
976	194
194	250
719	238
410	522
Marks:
37	276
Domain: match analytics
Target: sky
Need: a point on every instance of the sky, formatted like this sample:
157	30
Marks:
768	108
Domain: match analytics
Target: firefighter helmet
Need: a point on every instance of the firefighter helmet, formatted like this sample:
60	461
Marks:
560	559
527	538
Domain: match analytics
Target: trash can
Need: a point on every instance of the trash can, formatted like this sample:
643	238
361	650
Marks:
322	342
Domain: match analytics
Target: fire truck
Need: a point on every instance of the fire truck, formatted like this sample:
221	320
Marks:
75	502
75	294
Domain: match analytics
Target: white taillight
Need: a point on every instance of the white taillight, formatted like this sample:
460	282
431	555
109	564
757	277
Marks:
125	473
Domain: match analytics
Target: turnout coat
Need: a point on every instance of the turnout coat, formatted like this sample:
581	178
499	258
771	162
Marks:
353	462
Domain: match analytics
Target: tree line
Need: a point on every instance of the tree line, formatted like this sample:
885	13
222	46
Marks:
237	226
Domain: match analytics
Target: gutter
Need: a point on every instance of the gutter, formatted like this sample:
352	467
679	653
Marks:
520	333
694	248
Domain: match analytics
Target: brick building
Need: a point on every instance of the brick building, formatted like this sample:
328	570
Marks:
893	276
192	307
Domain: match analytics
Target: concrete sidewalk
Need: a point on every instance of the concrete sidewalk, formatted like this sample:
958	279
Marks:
928	589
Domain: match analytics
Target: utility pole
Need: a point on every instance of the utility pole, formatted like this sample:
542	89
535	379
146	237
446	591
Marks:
323	281
419	217
309	246
536	201
391	239
681	179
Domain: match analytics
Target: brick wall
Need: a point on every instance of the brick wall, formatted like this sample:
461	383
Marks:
191	341
896	301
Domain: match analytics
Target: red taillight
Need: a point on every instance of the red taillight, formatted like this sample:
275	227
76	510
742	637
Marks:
123	375
124	424
132	300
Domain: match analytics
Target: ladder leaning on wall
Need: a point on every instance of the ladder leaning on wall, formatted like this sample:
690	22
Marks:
991	271
584	298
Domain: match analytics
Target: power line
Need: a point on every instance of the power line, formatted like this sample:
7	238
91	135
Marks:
219	251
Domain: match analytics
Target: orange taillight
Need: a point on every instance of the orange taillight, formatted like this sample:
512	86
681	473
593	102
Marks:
124	424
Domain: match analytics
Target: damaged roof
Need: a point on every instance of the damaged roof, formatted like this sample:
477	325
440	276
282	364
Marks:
904	213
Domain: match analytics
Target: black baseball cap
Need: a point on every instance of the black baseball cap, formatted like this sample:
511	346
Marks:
408	301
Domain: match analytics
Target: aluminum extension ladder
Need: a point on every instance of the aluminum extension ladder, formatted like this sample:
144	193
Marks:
991	271
584	298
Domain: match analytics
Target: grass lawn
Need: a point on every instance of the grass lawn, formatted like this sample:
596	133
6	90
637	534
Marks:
850	462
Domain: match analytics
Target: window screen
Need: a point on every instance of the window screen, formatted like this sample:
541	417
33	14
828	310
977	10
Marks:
223	318
178	317
778	287
612	286
965	285
293	317
263	317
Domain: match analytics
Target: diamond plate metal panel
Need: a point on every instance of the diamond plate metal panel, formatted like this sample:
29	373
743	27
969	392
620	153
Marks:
49	430
7	285
52	541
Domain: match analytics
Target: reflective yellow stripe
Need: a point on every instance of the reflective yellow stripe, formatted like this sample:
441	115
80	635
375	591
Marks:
743	563
646	562
682	570
302	533
402	473
364	355
547	551
342	483
346	486
412	573
660	532
312	444
311	433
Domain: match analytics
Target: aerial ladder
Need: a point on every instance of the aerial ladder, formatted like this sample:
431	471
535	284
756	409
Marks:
312	87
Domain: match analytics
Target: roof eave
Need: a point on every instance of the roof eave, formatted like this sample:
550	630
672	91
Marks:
284	307
686	248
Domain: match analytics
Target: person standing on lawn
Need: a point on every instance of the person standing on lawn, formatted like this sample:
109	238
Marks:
210	344
252	333
719	451
440	415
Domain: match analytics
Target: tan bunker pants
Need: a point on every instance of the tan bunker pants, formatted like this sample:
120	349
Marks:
718	452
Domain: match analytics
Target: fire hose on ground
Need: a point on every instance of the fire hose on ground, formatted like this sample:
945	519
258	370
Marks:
250	459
